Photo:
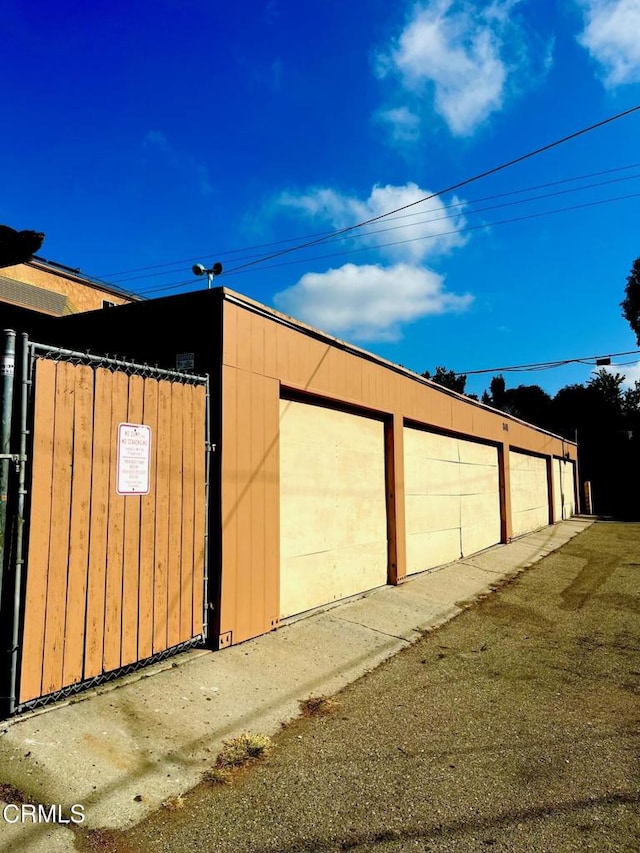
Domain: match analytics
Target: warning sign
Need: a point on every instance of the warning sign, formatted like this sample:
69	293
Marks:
134	456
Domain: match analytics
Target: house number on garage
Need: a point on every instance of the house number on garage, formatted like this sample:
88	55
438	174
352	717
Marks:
134	454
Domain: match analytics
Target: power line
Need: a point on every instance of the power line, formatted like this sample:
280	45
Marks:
447	233
175	285
457	205
448	189
548	365
328	233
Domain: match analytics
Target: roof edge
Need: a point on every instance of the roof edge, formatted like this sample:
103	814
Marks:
245	301
76	275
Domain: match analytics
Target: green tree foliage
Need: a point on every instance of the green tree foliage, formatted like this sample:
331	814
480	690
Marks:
606	421
527	402
631	401
496	395
448	379
601	414
631	303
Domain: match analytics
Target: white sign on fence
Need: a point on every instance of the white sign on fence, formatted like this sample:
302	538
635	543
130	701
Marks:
134	455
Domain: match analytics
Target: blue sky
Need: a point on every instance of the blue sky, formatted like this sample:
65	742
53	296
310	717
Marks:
144	136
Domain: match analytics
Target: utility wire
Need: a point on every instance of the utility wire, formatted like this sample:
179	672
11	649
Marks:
177	284
547	365
329	234
450	207
448	189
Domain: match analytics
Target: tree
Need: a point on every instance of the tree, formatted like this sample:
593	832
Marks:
530	403
608	386
496	396
448	379
527	402
631	401
631	303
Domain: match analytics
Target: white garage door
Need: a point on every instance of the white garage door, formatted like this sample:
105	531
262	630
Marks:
529	492
333	518
564	505
452	498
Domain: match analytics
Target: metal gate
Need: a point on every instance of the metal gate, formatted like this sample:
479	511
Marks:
115	519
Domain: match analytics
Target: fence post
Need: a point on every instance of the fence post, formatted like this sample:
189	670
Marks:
7	370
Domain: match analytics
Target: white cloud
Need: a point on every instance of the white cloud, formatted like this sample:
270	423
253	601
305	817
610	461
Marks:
631	373
369	302
612	37
457	48
421	231
403	123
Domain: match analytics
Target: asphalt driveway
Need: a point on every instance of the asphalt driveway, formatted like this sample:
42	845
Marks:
514	727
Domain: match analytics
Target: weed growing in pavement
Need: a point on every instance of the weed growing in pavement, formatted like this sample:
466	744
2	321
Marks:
241	750
174	804
318	706
217	776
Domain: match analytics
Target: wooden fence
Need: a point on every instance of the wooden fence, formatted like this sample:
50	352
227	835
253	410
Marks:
114	575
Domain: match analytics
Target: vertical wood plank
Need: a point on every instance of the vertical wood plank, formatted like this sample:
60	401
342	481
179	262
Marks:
394	477
230	492
230	337
504	472
131	548
175	517
188	508
39	528
256	500
60	521
147	527
162	518
256	343
199	474
76	604
242	514
550	491
100	483
272	501
115	542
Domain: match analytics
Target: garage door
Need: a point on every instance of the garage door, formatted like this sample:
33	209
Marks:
452	498
564	505
529	494
333	519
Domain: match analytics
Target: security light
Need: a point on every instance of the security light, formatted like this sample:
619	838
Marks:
200	269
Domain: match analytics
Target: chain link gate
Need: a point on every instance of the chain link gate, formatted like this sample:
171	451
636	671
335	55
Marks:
112	494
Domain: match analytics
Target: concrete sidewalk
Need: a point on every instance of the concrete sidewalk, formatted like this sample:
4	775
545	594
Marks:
122	749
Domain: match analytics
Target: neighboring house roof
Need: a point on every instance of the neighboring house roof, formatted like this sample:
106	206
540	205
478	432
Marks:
37	298
75	274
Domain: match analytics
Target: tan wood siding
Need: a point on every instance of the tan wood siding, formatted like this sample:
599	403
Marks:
262	353
249	505
98	563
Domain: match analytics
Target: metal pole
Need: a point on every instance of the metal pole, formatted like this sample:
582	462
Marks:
22	478
207	486
7	368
